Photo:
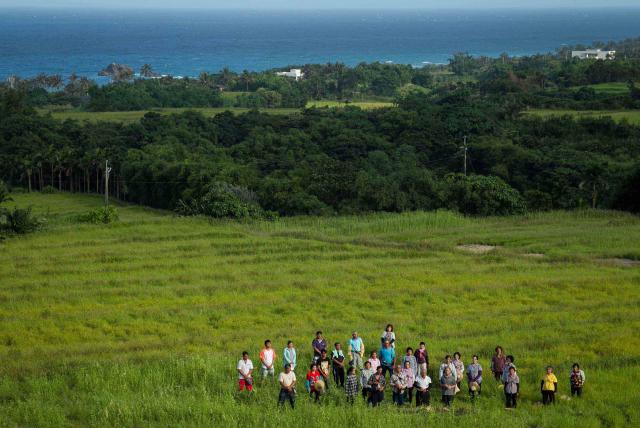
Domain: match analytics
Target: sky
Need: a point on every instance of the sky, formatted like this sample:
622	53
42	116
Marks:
316	4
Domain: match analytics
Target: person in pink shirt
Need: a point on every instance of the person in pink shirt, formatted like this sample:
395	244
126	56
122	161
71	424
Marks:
374	360
268	359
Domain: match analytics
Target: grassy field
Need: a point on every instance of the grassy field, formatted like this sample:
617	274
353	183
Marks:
135	116
632	116
141	322
365	105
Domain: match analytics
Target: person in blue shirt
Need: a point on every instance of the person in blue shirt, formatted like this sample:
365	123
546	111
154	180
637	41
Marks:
356	350
387	356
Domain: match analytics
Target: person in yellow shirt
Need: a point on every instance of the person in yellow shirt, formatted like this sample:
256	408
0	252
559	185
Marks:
549	386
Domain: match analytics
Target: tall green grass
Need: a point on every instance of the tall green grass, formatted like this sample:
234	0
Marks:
141	322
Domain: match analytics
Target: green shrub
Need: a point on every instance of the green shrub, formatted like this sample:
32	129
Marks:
482	195
48	190
224	200
18	221
102	215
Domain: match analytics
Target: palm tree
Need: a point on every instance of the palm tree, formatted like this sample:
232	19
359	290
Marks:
246	78
146	71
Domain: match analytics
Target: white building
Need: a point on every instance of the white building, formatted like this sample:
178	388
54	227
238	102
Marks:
296	73
594	54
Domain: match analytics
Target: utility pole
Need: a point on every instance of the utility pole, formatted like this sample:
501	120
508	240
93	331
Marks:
107	170
465	148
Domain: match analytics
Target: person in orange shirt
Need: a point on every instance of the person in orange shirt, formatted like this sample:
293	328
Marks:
268	359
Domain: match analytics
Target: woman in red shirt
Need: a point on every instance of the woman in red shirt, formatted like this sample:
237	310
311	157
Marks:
313	376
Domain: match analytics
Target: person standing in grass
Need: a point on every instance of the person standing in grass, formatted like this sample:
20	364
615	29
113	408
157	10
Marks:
377	383
245	373
374	361
497	363
337	359
267	358
398	382
313	376
422	357
387	358
511	387
324	365
448	384
447	363
356	350
388	335
549	386
509	362
318	345
351	387
576	379
408	372
365	375
411	359
459	367
422	384
474	376
287	381
290	356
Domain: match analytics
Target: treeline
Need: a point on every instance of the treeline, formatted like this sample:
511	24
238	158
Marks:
327	161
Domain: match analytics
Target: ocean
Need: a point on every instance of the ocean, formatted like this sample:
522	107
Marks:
185	43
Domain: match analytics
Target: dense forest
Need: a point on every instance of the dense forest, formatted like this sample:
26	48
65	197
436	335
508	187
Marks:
348	160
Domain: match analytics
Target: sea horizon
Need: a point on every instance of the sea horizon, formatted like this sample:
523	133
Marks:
185	42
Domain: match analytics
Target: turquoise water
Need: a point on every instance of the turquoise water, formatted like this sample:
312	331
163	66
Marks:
186	43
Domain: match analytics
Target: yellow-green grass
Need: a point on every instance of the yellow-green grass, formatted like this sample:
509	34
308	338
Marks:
135	116
365	105
141	322
632	116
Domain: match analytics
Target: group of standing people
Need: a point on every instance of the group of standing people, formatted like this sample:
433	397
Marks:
407	374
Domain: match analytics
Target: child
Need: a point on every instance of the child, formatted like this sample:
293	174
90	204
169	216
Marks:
497	363
351	387
337	358
411	359
374	361
365	375
511	387
549	386
409	374
422	357
313	376
267	358
577	380
448	384
459	366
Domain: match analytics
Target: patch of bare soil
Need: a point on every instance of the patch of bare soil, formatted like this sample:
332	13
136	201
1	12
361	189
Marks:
622	262
476	248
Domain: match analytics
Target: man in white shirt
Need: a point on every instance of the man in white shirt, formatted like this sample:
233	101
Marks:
245	372
421	384
267	358
287	381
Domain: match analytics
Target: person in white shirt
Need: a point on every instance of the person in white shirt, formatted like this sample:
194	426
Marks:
287	381
245	372
267	358
421	385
